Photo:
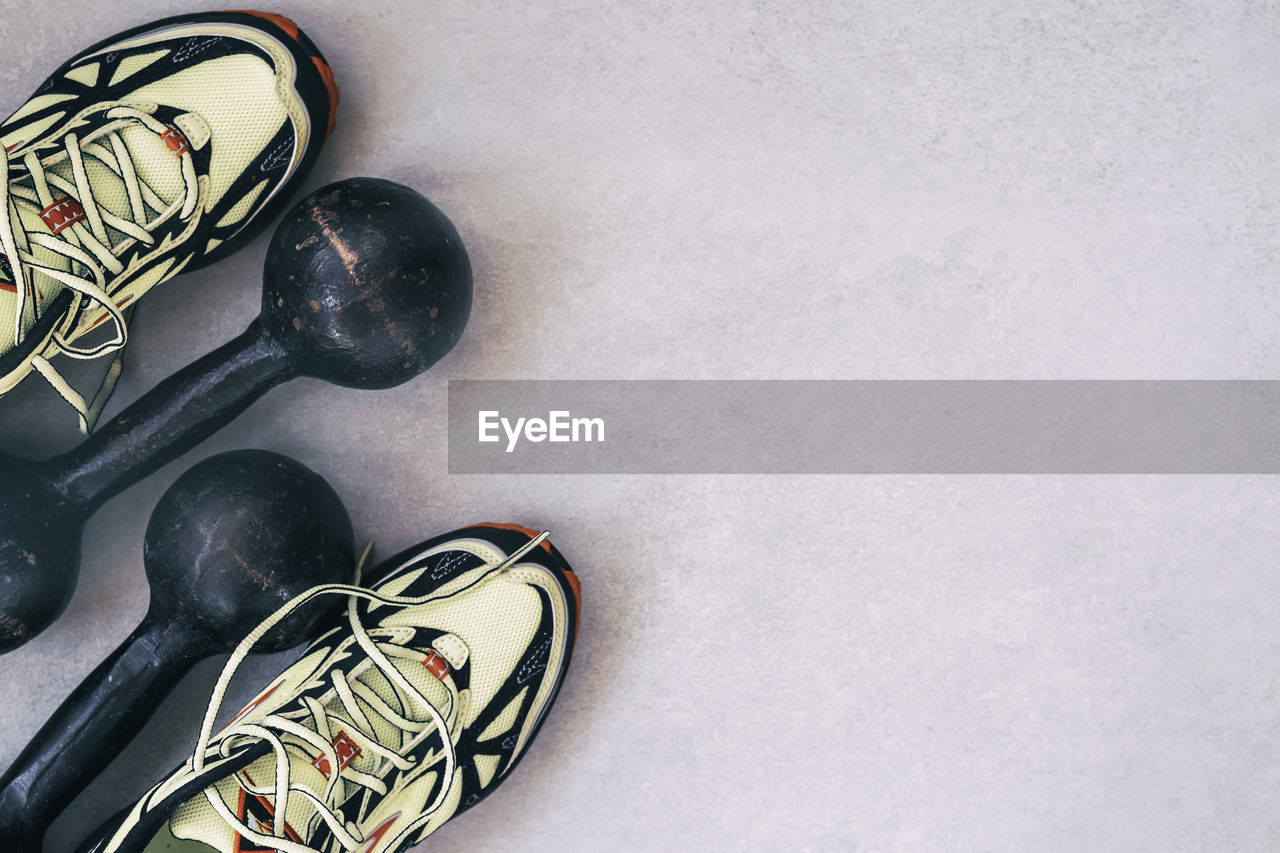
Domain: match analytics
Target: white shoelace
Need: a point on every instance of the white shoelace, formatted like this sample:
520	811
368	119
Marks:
86	243
271	727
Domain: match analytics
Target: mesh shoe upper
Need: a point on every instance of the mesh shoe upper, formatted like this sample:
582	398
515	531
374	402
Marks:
156	151
409	712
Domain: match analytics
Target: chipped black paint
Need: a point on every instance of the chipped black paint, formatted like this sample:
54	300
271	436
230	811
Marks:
366	285
233	539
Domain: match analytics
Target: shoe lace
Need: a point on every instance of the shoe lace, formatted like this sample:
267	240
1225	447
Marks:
275	728
86	243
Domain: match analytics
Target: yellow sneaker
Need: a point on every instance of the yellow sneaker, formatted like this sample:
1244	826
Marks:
406	714
159	150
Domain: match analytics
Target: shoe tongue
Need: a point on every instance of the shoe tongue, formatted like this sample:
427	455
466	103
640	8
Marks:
155	165
250	793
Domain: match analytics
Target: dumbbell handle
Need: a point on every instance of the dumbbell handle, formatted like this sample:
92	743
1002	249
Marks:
89	729
171	418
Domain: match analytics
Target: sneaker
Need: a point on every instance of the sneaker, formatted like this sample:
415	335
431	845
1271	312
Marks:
408	712
156	151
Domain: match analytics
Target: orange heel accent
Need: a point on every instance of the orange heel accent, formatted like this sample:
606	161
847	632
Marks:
326	74
279	20
576	585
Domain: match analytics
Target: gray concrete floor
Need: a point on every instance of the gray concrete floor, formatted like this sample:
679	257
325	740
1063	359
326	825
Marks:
961	189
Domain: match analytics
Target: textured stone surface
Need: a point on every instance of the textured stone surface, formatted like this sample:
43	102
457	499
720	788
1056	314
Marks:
808	190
